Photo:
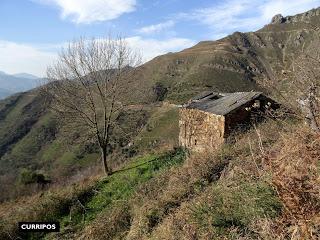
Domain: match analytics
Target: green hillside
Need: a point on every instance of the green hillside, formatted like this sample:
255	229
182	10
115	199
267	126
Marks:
256	187
238	192
30	137
239	62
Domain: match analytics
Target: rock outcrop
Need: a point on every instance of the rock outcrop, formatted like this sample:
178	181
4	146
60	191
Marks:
278	19
304	17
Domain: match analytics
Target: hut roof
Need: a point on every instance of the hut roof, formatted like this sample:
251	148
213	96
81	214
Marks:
224	104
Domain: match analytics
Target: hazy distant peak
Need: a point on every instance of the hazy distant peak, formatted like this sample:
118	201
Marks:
25	75
14	83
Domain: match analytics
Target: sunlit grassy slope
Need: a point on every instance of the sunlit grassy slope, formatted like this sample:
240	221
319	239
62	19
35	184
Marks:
77	206
241	191
262	185
30	137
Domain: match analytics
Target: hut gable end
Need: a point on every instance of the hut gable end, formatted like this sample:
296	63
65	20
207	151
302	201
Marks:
200	130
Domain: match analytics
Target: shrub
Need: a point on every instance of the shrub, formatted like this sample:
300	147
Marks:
160	91
296	177
28	177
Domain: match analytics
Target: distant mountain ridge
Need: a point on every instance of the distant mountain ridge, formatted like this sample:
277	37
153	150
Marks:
5	93
25	75
10	84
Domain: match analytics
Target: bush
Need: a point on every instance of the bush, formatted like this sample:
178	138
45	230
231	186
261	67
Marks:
28	177
296	177
160	91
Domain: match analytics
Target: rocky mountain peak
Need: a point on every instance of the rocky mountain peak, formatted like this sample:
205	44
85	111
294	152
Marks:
304	17
277	19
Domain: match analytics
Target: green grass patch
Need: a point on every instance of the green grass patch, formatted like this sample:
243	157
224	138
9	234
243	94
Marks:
162	128
101	197
236	206
122	184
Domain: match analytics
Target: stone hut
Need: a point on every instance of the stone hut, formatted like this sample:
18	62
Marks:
210	118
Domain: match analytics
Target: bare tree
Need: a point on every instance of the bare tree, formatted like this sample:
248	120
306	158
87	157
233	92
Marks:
300	83
306	70
87	83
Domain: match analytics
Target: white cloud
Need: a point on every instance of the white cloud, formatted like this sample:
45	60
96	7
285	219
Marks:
151	48
245	15
89	11
287	7
16	58
156	28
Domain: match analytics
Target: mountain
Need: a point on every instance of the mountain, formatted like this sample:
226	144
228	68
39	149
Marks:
235	63
33	142
5	93
25	75
239	62
10	84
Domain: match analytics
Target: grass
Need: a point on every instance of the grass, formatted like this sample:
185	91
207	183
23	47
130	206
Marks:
161	130
47	206
211	195
240	192
98	197
236	206
121	185
32	138
230	194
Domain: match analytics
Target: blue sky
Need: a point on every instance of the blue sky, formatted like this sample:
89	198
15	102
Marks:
33	31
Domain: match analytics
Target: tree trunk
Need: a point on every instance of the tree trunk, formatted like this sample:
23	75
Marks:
312	110
104	156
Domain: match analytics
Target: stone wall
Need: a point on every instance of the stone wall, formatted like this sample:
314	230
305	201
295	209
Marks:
200	131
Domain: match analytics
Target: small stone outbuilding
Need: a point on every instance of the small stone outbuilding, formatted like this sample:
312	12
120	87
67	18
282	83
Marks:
210	118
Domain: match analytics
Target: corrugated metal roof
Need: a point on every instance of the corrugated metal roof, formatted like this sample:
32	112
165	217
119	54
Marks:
226	103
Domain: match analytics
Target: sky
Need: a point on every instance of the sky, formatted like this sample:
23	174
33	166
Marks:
32	32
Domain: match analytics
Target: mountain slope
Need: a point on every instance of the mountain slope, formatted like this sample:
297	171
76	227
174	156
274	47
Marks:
235	63
30	138
230	195
5	93
25	75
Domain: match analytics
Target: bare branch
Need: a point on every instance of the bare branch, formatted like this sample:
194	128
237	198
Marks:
87	82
